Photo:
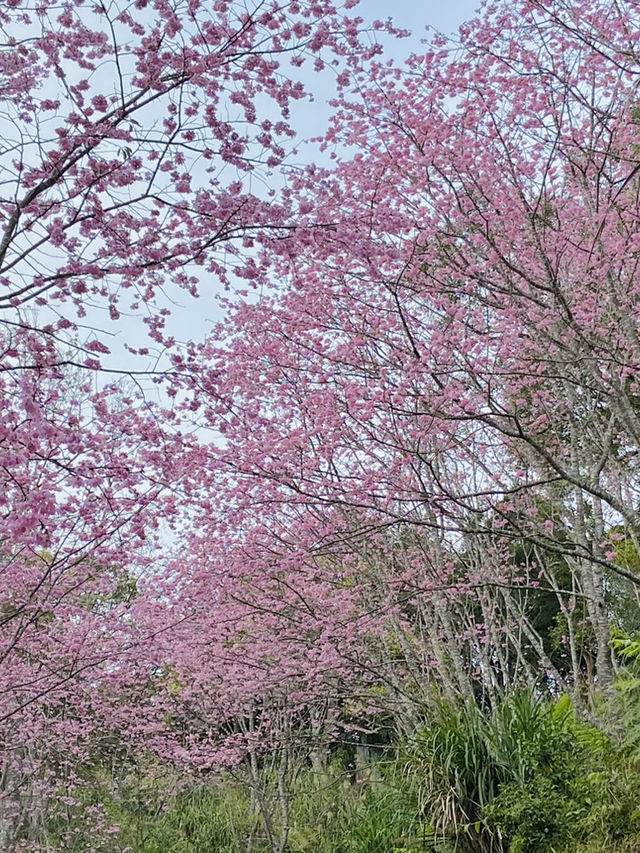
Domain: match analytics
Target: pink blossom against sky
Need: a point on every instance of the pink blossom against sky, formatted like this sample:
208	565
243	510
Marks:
194	318
412	15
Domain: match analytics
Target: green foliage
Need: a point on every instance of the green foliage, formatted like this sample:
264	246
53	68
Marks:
520	779
625	646
528	776
533	817
457	776
627	650
205	819
379	821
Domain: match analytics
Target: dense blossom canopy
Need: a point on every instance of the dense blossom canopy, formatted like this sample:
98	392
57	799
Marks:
408	455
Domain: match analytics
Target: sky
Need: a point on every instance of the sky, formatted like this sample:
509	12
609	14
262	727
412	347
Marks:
414	15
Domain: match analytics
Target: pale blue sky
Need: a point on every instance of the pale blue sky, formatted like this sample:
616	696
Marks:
414	15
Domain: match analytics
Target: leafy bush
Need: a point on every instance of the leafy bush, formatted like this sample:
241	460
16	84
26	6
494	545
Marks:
504	781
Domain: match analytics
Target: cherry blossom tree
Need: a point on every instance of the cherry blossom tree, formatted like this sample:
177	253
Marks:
136	140
451	354
425	415
133	136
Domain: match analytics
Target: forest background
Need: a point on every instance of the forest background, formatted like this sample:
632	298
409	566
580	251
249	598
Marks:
357	570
